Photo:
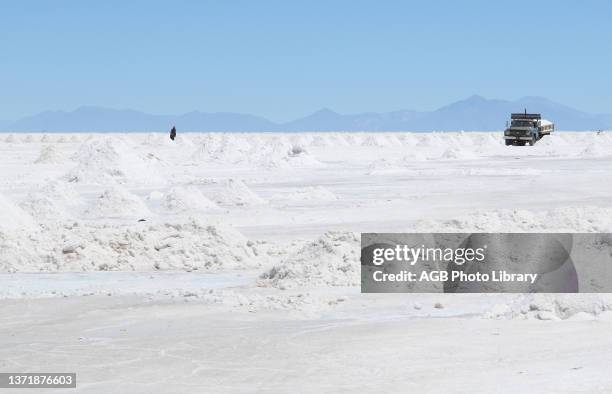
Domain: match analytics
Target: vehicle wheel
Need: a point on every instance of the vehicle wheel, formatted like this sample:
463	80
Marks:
532	141
508	142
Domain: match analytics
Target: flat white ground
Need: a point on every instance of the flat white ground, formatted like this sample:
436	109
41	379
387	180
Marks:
229	262
143	347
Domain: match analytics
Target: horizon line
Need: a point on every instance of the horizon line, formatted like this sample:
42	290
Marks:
321	109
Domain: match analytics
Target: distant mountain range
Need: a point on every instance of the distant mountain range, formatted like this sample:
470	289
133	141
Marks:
473	113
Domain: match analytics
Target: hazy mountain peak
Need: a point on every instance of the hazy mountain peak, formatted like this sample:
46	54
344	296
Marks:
325	111
472	113
475	97
88	108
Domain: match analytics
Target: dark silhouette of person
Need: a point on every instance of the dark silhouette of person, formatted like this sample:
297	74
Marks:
173	133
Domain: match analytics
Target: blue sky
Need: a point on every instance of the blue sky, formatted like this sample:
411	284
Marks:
284	59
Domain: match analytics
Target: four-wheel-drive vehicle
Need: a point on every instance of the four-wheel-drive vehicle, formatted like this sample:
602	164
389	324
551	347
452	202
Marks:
527	128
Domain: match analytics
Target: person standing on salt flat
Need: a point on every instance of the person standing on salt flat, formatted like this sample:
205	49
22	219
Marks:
173	133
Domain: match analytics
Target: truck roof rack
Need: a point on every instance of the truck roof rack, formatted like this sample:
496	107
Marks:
526	116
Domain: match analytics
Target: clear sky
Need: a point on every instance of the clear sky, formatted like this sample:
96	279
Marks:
284	59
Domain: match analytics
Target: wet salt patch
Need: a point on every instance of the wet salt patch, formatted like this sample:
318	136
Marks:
40	285
441	172
484	171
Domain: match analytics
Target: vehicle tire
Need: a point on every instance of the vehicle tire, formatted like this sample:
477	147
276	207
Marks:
532	141
508	142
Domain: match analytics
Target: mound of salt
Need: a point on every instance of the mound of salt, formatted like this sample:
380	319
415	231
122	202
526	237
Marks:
188	246
430	140
335	139
191	245
103	150
236	192
113	161
98	163
595	150
394	140
180	199
284	156
298	156
49	154
61	193
117	202
331	260
13	218
407	139
43	208
554	307
352	140
153	139
95	173
225	149
199	246
375	141
488	140
320	141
